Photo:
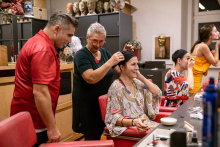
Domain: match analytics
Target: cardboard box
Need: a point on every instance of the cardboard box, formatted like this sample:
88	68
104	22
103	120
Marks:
40	13
39	3
3	55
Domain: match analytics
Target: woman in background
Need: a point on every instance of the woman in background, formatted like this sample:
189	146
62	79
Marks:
132	99
176	87
202	54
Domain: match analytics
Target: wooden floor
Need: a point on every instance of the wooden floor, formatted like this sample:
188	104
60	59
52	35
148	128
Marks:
103	137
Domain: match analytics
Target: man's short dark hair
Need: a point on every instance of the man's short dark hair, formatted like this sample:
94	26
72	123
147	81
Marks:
63	19
178	54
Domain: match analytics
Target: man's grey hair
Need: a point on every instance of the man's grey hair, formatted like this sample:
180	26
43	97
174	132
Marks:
96	28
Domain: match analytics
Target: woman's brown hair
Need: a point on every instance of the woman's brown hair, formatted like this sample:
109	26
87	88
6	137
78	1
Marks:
204	33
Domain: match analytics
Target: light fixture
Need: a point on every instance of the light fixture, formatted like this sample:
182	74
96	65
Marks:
201	6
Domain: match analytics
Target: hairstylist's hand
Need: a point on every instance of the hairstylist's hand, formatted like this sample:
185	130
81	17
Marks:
140	125
128	47
116	58
191	62
53	135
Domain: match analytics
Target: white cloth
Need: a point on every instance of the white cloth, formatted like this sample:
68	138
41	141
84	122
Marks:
75	44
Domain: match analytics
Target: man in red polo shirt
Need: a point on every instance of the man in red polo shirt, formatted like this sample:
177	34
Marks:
37	76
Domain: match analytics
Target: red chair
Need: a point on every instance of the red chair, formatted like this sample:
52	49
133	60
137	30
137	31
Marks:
164	108
131	135
207	82
17	131
98	143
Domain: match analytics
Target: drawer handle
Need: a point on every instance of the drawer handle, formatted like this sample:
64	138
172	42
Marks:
150	75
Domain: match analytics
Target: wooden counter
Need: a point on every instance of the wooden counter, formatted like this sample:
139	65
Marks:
64	108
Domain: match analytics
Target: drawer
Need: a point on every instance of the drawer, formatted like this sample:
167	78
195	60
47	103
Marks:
157	76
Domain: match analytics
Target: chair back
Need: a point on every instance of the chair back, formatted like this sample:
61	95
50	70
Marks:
103	105
96	143
162	101
207	82
18	130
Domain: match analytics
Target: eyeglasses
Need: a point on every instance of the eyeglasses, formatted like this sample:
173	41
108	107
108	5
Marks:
95	42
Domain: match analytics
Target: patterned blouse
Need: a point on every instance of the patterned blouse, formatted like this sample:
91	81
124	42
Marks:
122	103
176	89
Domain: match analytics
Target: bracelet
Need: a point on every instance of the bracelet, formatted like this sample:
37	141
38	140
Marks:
132	122
122	122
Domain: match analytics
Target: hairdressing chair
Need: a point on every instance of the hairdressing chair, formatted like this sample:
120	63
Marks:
97	143
164	108
17	131
131	135
207	82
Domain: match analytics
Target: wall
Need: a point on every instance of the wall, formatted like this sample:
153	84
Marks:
157	17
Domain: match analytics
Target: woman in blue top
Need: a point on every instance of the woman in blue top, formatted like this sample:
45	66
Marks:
93	71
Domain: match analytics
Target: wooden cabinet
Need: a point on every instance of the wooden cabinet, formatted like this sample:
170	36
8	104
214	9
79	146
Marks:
118	27
64	107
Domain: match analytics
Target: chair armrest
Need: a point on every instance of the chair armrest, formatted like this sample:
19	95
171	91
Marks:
98	143
131	132
161	115
167	109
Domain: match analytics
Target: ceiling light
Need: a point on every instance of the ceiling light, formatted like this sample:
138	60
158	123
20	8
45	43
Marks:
201	6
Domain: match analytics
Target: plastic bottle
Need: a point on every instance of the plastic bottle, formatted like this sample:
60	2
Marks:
218	114
209	110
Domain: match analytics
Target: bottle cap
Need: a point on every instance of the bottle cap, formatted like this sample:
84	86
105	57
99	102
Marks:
194	137
211	86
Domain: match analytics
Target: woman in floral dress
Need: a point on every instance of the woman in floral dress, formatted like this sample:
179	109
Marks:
132	99
176	87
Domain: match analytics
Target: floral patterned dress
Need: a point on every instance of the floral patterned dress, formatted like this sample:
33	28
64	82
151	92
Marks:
176	89
122	103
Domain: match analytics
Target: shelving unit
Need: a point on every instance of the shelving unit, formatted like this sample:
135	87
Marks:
17	33
118	27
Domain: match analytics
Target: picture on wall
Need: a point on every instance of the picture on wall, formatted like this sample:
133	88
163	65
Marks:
162	47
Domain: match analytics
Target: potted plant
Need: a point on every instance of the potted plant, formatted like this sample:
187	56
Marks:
137	48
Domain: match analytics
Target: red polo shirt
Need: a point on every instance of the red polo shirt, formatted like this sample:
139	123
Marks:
38	62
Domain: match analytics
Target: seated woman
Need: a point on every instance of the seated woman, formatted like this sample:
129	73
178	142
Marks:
132	99
176	87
